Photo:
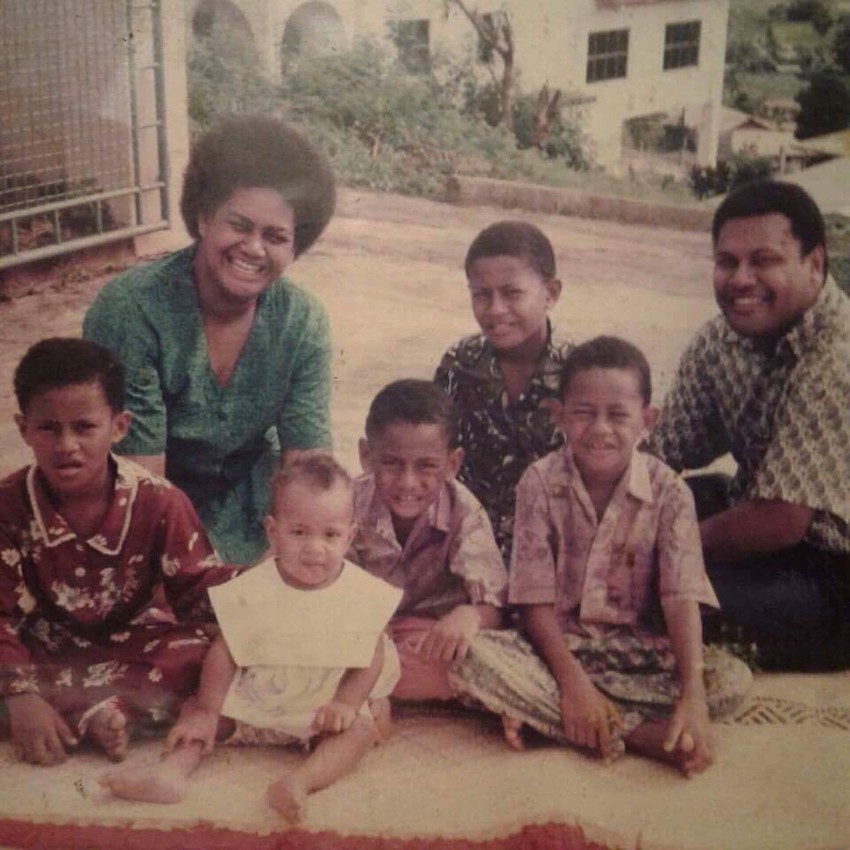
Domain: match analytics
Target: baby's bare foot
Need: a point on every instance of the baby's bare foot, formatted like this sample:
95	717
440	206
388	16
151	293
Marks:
512	730
157	784
108	729
289	797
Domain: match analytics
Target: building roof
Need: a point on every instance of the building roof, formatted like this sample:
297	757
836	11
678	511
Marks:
832	144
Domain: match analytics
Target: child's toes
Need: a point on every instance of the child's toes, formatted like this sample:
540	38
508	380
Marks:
512	730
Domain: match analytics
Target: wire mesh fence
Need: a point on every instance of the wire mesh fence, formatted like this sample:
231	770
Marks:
82	153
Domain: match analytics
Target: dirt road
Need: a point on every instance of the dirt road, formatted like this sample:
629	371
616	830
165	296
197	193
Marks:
390	272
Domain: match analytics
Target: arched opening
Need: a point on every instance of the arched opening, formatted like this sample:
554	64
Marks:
313	28
223	66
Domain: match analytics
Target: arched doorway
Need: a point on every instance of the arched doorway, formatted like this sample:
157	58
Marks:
314	27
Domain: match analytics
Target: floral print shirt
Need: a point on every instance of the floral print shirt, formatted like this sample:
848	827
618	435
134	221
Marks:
449	559
783	414
499	438
60	593
608	573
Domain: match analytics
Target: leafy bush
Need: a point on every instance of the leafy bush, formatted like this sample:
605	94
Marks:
824	106
738	169
223	79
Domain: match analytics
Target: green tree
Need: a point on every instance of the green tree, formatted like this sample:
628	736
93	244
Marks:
824	106
841	46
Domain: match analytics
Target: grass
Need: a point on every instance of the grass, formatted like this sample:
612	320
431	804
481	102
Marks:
770	85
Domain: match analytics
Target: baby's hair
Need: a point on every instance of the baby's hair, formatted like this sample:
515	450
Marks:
255	151
62	361
607	352
415	402
316	468
514	239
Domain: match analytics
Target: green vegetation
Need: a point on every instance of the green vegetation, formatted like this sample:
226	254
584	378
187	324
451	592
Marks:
386	128
801	37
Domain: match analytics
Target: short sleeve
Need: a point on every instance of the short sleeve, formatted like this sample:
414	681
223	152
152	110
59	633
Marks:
475	557
807	461
533	578
304	420
690	433
116	321
681	568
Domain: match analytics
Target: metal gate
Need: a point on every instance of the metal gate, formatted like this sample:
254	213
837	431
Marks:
82	134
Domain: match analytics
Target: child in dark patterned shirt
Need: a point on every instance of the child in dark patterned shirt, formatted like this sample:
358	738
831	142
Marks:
502	379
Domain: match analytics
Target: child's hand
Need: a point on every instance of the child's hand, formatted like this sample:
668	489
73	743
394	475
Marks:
195	725
588	717
449	638
38	734
335	717
689	735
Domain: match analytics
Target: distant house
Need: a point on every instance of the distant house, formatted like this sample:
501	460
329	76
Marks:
744	133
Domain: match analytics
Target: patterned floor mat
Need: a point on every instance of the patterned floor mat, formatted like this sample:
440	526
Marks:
774	711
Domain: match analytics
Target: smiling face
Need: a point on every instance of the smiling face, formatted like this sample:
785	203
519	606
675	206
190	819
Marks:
411	462
510	302
244	246
603	417
762	282
71	431
310	533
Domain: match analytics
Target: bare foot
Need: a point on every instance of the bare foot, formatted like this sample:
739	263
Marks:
108	729
512	730
289	797
648	740
382	715
155	784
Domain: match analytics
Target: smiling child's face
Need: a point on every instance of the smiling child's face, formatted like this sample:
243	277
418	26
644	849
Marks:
71	431
310	533
602	417
510	302
411	462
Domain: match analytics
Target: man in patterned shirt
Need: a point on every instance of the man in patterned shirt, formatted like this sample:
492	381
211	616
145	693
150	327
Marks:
769	382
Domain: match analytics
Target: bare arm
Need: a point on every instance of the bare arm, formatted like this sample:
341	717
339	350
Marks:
754	528
689	729
200	714
450	637
587	716
353	691
153	463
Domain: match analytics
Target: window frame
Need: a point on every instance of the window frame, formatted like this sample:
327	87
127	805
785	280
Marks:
684	52
608	59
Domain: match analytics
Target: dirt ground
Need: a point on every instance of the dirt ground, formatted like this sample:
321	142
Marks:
390	273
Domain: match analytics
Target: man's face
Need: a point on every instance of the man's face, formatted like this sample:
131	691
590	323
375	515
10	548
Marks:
762	282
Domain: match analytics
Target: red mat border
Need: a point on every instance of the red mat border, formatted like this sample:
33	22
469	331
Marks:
27	835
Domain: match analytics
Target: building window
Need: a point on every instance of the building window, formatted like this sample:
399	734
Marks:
413	40
681	45
607	55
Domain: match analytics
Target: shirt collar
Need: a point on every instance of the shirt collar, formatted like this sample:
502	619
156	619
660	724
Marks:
112	533
635	481
549	362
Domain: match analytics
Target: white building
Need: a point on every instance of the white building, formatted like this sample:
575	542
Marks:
623	59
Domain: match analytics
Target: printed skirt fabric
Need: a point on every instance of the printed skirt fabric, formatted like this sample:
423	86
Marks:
503	673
